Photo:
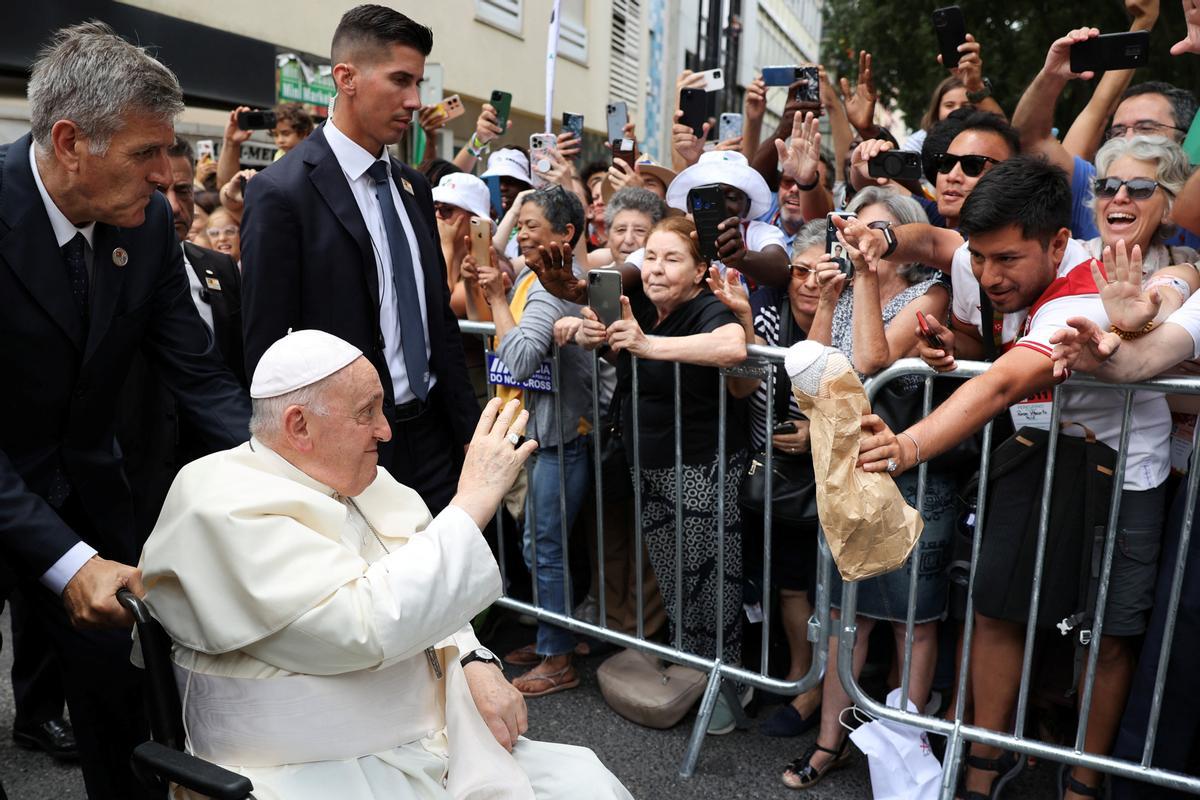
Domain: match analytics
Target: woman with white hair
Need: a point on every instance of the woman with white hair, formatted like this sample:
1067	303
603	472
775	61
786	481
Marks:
1137	181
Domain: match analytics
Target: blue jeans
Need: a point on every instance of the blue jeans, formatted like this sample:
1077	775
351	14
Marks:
543	511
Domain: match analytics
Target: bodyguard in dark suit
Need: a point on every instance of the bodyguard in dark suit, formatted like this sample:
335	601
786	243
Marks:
340	237
91	272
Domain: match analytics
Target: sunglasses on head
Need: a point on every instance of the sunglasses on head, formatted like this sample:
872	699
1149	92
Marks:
1136	188
972	166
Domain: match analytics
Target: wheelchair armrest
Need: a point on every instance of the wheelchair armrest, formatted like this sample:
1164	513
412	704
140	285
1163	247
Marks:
191	772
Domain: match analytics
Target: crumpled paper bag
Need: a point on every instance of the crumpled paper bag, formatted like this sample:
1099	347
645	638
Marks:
867	523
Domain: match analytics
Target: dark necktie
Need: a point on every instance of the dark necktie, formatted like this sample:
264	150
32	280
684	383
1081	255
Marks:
412	327
73	253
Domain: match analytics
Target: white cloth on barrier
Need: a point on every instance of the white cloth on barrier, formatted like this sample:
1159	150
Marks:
903	767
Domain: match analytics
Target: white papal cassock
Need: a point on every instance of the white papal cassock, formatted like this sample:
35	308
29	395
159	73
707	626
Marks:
300	621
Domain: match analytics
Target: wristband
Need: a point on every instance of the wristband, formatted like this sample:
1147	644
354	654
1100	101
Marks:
476	147
1178	284
1131	335
808	187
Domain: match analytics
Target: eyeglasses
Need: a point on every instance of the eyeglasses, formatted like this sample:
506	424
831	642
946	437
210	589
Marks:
803	271
1136	188
972	165
229	230
1143	127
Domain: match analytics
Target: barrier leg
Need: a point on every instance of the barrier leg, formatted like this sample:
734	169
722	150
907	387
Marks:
700	728
953	762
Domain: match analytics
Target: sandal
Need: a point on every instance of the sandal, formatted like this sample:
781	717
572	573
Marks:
801	774
1067	781
523	656
1007	766
532	685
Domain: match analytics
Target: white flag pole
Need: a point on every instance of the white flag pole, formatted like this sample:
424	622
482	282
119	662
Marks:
551	63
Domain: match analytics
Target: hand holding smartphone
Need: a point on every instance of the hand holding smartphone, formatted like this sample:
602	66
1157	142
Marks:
951	30
616	117
694	105
540	145
604	294
1111	51
502	102
707	206
256	120
481	240
931	338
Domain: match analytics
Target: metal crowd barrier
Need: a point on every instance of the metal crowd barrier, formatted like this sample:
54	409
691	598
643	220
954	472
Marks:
721	667
723	671
959	732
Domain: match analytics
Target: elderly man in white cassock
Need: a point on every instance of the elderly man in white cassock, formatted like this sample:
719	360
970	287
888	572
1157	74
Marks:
321	617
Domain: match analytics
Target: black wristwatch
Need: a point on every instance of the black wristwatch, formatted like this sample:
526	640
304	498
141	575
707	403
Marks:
982	94
807	187
481	654
889	236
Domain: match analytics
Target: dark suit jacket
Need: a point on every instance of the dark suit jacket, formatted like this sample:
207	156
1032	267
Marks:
62	383
225	301
307	262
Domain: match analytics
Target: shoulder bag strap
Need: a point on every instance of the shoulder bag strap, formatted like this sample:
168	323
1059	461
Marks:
783	387
988	318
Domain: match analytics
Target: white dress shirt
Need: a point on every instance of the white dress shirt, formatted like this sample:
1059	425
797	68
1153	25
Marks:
355	161
197	290
60	573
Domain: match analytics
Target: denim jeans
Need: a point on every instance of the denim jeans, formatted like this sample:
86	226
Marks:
543	511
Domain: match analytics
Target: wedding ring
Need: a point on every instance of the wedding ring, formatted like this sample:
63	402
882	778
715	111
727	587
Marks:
892	466
513	439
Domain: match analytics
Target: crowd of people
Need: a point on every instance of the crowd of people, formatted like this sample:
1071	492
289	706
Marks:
1039	255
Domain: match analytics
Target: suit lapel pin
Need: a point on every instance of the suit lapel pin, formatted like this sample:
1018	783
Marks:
212	283
120	257
407	186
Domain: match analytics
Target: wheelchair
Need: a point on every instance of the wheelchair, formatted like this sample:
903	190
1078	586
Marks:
161	761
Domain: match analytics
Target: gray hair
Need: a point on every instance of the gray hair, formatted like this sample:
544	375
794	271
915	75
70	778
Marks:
91	76
905	211
1171	169
266	413
810	236
635	198
560	207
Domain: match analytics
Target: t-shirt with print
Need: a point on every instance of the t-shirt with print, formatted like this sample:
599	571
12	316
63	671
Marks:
1073	294
699	388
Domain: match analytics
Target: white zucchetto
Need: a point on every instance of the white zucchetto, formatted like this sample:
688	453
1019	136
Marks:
300	359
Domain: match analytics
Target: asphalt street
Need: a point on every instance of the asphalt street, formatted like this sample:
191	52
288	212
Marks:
742	764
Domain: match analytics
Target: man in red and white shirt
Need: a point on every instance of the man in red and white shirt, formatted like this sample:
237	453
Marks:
1021	255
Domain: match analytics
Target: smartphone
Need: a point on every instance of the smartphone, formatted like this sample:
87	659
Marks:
833	246
432	84
502	102
694	104
896	165
617	119
730	126
951	30
205	150
604	294
625	150
481	240
452	107
714	80
1111	51
928	335
808	92
780	76
573	123
707	206
784	427
540	145
256	120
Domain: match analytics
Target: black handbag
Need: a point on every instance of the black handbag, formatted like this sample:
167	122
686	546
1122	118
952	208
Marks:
793	483
614	465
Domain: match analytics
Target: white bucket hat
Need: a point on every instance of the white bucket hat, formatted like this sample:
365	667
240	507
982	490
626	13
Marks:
508	163
465	191
722	166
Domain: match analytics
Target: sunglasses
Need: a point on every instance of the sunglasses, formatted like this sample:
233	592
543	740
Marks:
1136	188
443	211
972	166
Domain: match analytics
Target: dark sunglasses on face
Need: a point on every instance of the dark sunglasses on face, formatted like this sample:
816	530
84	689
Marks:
1136	188
443	211
972	166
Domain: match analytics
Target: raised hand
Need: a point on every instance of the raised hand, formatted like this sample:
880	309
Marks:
1058	58
970	65
730	291
234	134
555	268
755	104
1128	307
1083	346
569	145
487	125
831	281
860	161
860	103
800	156
731	247
627	334
591	332
430	118
685	142
492	460
860	236
1190	43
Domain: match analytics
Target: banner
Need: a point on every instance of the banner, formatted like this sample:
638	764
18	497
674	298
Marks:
551	62
542	380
